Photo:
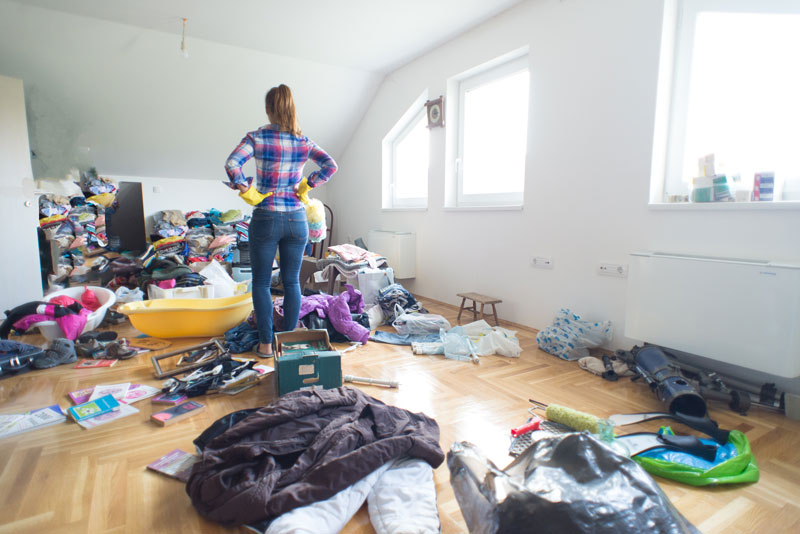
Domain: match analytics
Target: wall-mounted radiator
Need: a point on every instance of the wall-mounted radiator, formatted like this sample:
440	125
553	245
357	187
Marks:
741	312
399	249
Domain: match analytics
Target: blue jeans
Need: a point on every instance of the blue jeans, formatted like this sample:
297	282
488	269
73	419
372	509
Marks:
286	232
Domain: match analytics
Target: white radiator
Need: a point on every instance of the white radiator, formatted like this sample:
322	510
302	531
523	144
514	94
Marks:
742	312
399	249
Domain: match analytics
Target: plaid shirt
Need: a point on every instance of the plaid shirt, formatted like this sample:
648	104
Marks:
280	157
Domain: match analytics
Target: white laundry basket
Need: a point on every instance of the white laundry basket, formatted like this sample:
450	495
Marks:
50	329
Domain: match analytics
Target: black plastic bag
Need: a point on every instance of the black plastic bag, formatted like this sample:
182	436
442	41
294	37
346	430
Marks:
312	321
561	484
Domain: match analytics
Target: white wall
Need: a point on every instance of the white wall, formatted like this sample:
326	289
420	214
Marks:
20	279
124	100
594	69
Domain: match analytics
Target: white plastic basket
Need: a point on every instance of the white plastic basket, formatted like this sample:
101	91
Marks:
50	329
195	292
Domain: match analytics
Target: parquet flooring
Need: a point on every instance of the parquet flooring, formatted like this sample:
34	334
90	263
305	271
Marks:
66	479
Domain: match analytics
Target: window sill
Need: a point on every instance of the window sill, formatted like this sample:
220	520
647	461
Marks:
483	208
404	209
726	206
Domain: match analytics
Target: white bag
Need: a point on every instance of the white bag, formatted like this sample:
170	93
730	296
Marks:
493	340
371	281
216	275
420	323
376	317
124	294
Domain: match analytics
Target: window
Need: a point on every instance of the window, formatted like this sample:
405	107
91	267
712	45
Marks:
735	88
405	160
492	133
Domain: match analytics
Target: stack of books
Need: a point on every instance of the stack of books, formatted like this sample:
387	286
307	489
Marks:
104	403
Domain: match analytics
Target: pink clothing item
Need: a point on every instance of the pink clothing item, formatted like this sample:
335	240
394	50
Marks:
63	300
352	253
221	240
78	242
89	300
71	324
167	284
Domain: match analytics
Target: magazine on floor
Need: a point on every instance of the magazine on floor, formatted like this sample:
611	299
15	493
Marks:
18	423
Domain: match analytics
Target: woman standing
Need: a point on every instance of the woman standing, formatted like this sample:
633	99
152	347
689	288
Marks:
279	220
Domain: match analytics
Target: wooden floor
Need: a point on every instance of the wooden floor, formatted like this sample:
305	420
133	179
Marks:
68	479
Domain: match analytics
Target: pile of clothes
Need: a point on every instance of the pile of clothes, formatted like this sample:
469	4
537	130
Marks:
199	236
76	221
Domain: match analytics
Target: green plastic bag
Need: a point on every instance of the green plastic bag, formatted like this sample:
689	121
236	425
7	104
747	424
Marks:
741	468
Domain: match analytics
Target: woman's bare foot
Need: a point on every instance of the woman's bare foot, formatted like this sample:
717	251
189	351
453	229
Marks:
265	349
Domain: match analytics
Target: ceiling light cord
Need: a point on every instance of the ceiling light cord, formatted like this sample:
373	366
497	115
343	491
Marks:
184	49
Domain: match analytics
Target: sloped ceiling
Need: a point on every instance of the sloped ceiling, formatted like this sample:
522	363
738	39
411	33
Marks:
372	35
106	85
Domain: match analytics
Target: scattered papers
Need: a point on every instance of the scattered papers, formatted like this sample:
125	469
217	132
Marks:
13	424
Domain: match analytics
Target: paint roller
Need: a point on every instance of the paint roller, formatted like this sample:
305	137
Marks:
577	420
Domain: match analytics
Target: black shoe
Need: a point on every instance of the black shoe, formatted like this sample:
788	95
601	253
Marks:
113	317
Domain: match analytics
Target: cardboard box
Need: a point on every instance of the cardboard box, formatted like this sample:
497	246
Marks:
305	359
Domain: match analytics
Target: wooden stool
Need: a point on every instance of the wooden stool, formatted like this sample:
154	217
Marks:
475	298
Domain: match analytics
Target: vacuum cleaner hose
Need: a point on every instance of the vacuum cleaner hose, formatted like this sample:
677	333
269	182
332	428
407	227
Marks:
671	388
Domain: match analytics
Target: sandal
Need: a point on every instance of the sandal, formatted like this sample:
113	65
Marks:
91	348
113	317
117	350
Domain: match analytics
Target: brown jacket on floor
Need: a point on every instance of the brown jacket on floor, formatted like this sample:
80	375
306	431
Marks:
304	447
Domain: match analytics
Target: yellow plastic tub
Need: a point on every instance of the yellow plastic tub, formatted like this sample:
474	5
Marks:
188	317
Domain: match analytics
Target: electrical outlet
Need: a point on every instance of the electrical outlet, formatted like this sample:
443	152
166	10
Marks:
542	263
613	269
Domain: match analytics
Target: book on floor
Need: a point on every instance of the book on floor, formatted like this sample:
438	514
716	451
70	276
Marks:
18	423
169	398
177	413
175	464
93	408
91	364
123	411
80	396
137	392
117	391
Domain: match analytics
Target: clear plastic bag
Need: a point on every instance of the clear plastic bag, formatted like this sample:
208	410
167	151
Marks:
493	340
129	295
457	346
420	323
217	276
570	337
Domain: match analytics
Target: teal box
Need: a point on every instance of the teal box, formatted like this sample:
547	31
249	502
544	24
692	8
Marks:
305	359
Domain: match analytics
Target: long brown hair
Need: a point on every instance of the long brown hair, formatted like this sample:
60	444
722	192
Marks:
281	110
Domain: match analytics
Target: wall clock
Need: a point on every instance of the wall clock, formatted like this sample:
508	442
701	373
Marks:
435	112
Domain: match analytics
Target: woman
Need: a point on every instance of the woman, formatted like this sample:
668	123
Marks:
279	220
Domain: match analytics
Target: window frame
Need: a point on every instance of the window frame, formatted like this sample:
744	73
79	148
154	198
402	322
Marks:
672	110
502	67
402	128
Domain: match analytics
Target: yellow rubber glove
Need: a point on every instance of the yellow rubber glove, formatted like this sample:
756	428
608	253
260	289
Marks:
253	197
302	191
